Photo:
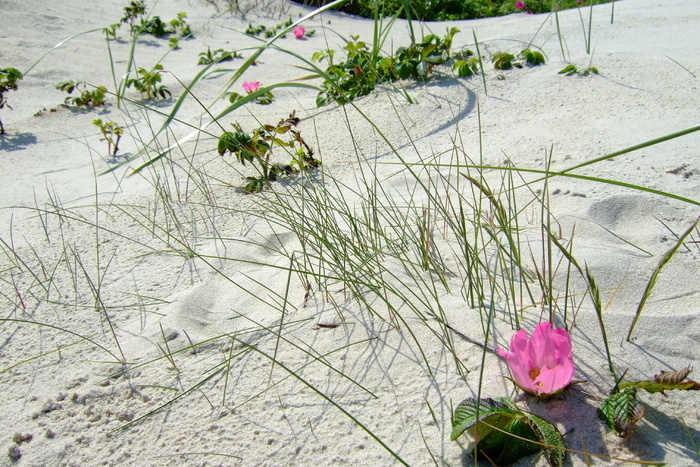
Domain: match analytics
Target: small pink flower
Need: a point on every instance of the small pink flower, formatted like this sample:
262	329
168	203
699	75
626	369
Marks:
299	31
251	87
530	12
519	5
541	365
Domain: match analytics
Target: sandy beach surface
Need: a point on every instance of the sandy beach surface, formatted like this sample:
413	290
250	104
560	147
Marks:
153	319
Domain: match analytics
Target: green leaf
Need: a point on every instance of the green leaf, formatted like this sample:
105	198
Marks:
665	381
549	435
621	411
465	415
427	50
568	70
504	433
533	57
503	61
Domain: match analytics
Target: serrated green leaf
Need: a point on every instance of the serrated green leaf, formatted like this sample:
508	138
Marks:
507	446
621	411
465	415
549	435
504	433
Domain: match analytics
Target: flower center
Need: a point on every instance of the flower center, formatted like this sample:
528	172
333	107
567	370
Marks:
534	373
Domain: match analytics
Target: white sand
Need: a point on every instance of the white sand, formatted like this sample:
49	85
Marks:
73	407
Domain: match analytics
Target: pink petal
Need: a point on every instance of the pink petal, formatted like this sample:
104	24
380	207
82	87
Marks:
553	380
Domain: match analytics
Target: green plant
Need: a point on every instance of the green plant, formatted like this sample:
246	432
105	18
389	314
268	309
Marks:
465	63
219	55
256	149
180	26
159	28
86	97
154	26
622	409
356	76
417	60
363	67
111	133
267	32
570	70
533	57
146	82
133	11
506	61
111	30
8	82
503	433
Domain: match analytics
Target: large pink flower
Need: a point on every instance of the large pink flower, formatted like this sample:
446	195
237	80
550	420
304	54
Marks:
519	5
541	365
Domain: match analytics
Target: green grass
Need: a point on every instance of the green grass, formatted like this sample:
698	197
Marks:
399	245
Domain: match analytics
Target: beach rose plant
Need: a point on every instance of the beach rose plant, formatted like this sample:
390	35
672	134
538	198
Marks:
541	365
8	82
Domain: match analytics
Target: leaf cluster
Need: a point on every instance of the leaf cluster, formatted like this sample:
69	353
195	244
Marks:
111	133
133	11
506	61
570	70
363	67
219	55
622	410
417	60
8	82
154	26
503	433
261	29
85	97
159	28
146	82
256	149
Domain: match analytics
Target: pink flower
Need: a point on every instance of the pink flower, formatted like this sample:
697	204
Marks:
519	5
251	87
541	365
299	31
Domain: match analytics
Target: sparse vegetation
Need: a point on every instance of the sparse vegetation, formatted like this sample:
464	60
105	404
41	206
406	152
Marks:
86	97
419	236
9	77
